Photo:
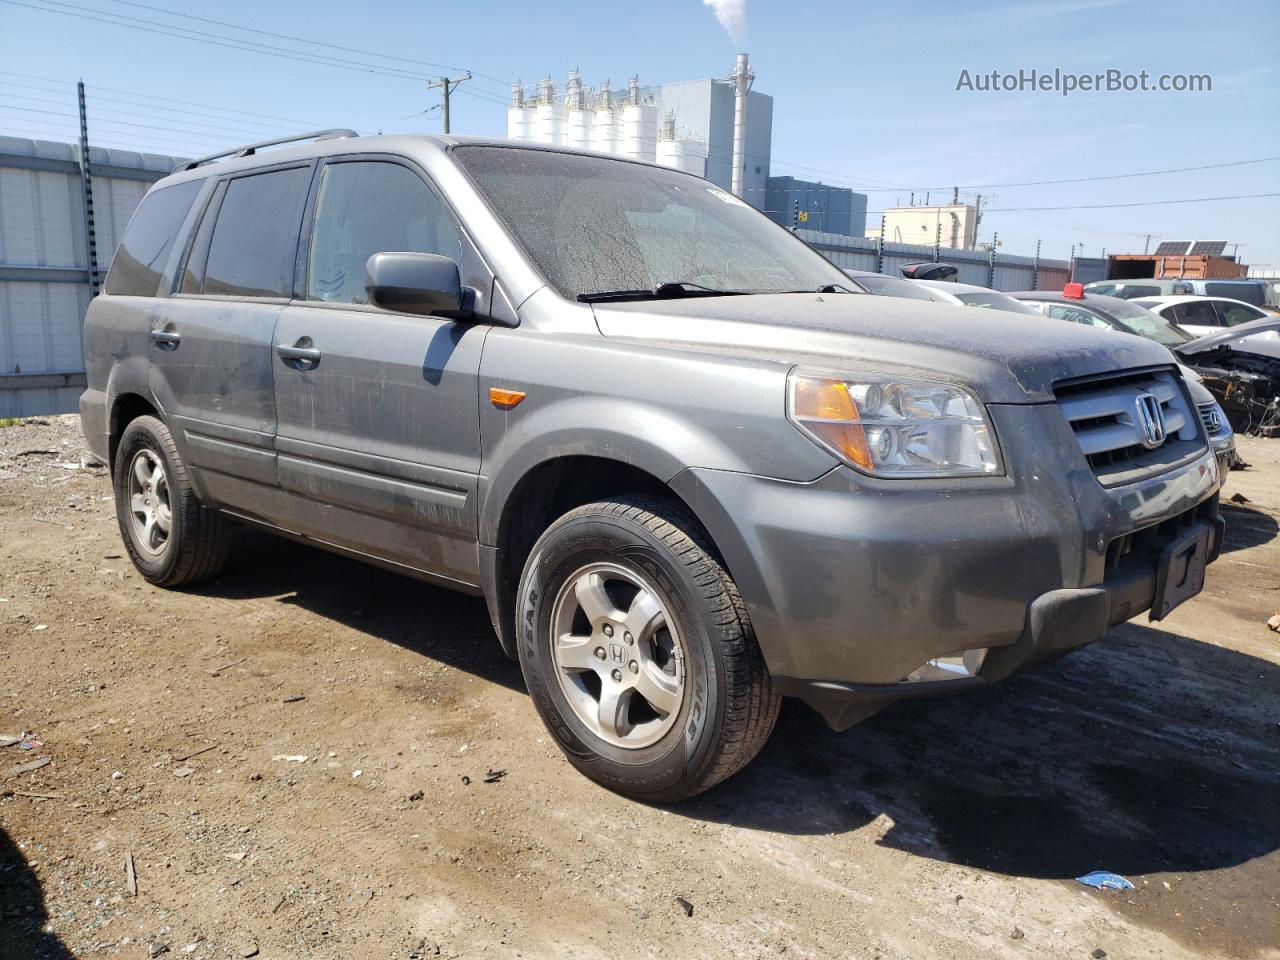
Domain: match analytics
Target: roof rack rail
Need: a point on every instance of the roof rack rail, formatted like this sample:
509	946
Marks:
337	133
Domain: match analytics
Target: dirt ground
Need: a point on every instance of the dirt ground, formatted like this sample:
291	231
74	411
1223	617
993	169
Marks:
295	757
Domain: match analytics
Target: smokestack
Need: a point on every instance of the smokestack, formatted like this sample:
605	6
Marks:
741	84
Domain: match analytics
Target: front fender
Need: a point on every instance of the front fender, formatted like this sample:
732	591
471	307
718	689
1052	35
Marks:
658	409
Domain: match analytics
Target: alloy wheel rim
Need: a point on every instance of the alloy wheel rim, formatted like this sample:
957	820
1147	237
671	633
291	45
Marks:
150	510
619	657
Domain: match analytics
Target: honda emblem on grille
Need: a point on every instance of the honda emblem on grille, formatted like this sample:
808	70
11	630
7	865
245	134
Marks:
1151	419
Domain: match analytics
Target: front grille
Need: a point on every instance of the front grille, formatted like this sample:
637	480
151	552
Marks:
1211	418
1120	440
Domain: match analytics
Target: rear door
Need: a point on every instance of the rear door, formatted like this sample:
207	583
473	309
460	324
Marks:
378	419
212	343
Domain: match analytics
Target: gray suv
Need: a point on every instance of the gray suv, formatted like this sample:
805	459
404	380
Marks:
689	470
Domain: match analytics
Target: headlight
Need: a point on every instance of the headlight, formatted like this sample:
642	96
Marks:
895	428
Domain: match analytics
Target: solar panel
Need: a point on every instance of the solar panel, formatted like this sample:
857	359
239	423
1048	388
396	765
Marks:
1178	248
1210	248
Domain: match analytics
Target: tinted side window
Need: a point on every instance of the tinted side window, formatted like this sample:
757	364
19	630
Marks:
136	269
193	273
1234	314
1249	292
366	208
1196	313
256	235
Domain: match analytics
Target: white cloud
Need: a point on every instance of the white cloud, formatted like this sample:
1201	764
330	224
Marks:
732	15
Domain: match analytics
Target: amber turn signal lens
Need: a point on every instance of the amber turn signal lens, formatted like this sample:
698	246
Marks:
505	399
817	403
824	400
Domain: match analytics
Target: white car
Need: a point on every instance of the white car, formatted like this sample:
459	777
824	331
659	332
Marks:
969	295
1202	316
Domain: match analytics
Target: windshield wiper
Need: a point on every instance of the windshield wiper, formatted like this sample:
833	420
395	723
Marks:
673	290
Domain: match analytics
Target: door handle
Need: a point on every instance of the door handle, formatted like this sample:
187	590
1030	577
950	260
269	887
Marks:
166	339
302	352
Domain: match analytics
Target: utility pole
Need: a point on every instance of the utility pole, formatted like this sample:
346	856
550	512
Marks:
937	241
991	261
880	247
1035	268
446	86
86	186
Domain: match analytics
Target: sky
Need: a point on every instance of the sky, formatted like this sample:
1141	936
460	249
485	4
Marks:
865	95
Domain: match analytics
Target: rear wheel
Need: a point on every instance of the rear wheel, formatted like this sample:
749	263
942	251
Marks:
171	538
638	651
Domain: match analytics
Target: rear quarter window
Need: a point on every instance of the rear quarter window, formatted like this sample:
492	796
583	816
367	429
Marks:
140	260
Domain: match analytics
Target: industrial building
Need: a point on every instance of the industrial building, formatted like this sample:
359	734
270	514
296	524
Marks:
953	226
816	206
690	126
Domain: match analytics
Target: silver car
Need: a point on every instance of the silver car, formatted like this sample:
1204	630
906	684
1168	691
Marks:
688	469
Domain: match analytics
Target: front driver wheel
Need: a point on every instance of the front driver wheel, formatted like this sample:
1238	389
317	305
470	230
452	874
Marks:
638	652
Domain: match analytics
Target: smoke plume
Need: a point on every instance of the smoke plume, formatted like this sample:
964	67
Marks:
732	15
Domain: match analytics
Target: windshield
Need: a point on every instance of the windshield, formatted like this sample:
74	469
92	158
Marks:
1144	323
993	301
594	226
893	287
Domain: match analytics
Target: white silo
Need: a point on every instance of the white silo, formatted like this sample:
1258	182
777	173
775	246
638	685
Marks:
639	135
548	115
680	153
604	122
578	131
517	115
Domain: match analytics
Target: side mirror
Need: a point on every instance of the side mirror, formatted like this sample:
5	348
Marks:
422	283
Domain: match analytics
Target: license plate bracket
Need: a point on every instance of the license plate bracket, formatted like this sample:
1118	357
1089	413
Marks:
1180	572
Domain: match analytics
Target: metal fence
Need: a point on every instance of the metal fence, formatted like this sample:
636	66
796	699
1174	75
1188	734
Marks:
1003	271
44	275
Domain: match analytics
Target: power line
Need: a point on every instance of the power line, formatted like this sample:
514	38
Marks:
151	96
1042	183
316	43
217	40
235	131
212	39
1143	203
196	134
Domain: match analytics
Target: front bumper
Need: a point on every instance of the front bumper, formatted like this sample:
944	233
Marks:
853	583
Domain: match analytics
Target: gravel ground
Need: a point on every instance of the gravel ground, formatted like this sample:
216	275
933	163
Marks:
294	759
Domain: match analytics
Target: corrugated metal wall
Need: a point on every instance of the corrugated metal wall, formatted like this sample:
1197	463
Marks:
1011	272
44	278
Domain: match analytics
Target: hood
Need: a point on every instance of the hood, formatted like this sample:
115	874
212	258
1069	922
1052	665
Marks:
1006	357
1267	346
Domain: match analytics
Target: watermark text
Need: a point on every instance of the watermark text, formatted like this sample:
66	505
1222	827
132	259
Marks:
1066	83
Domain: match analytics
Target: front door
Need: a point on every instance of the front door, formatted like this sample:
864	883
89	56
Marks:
378	437
211	344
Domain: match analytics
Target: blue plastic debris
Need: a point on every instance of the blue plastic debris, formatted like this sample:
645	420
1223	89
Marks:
1103	880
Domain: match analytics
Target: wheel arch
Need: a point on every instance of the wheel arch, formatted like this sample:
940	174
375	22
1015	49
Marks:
125	408
544	492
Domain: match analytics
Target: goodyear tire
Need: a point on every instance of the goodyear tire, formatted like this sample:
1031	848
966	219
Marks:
638	652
